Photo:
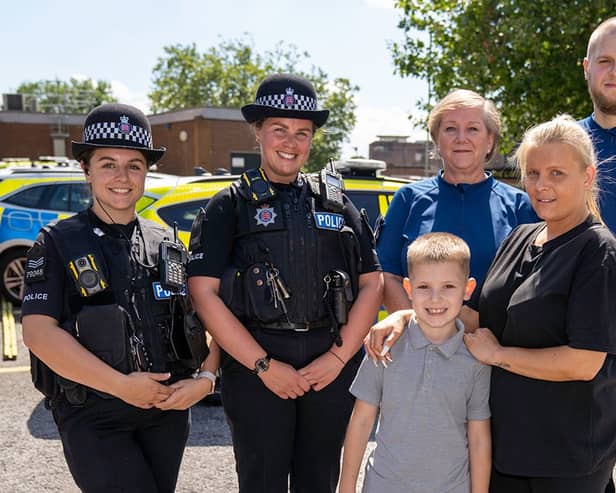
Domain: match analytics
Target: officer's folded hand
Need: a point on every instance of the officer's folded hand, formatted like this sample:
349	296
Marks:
187	392
322	371
142	389
284	380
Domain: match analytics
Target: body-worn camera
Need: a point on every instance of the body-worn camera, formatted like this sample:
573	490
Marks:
88	278
331	187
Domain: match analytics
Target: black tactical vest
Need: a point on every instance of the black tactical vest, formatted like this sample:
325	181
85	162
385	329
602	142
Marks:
131	285
293	237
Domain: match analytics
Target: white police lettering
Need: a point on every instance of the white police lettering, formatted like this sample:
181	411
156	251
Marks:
328	220
159	292
196	256
35	297
163	294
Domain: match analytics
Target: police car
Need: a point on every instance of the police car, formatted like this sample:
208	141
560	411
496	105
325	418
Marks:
364	185
30	200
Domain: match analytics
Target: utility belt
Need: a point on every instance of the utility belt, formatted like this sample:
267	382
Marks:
258	296
298	327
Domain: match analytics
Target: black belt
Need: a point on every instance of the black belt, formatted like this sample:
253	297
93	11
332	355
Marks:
303	327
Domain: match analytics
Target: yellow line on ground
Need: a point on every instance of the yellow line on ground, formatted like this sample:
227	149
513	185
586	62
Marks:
14	369
9	334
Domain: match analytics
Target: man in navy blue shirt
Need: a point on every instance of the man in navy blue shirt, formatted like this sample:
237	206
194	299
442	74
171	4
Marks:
600	72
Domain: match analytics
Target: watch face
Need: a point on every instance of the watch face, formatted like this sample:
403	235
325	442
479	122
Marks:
261	364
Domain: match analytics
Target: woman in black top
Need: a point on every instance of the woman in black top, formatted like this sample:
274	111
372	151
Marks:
102	330
548	302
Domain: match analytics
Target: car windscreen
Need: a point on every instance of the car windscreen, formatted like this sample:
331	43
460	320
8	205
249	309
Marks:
183	213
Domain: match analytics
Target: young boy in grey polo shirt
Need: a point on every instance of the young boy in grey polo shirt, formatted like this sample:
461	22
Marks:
434	428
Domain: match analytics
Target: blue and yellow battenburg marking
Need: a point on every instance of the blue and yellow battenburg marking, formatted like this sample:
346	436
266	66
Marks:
329	220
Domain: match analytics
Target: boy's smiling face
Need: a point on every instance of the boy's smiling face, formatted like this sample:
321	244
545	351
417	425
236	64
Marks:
438	290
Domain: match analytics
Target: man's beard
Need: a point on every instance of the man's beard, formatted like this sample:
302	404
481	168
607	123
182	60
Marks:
602	103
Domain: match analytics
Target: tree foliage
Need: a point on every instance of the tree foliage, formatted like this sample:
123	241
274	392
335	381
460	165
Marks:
526	55
73	96
228	75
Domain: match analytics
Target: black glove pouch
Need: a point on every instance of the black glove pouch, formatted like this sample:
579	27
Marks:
103	330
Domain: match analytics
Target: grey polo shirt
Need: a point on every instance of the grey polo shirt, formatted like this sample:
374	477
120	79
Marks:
426	395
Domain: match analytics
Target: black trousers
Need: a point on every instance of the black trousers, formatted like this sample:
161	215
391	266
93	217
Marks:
292	443
111	446
597	482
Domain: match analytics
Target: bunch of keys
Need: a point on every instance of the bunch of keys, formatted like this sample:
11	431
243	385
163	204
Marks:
278	289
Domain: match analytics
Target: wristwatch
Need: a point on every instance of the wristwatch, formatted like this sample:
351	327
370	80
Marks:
210	376
262	364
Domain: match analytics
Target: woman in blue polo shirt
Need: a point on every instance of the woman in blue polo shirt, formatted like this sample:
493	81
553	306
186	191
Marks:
462	199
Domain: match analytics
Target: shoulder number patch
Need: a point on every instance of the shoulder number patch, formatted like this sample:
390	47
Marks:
36	261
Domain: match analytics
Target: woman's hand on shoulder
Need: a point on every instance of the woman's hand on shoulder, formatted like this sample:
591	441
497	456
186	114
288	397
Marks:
384	334
483	345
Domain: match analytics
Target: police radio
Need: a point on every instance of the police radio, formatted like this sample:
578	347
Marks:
331	187
172	258
88	278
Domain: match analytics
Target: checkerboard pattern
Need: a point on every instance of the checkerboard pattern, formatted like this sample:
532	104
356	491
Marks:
302	103
111	130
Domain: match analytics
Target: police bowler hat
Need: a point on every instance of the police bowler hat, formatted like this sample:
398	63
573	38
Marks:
286	96
117	126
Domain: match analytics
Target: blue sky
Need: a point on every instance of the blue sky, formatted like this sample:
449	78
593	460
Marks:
120	41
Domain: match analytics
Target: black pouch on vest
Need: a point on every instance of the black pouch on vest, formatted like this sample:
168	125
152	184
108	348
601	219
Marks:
351	249
103	331
260	301
231	291
44	378
188	339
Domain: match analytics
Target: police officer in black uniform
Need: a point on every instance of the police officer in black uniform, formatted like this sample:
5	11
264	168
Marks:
284	275
113	347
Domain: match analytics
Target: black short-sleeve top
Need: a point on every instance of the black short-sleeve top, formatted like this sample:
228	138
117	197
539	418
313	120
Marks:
560	293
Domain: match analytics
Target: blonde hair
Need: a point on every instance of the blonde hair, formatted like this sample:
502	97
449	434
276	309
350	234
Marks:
438	248
608	26
463	98
562	129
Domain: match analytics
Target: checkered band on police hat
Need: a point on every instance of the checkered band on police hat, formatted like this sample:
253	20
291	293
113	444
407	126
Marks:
285	96
114	125
288	101
117	130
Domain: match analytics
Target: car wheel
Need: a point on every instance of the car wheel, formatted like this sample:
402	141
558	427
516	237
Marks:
12	268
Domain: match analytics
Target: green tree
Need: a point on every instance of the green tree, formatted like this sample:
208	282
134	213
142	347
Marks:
73	96
228	75
526	55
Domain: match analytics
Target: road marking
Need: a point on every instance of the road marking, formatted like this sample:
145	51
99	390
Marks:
9	334
14	369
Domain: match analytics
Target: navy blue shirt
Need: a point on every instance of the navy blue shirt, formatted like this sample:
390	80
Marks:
482	214
604	142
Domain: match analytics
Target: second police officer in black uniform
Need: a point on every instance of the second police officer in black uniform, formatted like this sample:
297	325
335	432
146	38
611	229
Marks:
104	317
284	274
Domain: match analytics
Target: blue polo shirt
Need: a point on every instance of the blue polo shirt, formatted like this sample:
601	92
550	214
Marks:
604	142
482	214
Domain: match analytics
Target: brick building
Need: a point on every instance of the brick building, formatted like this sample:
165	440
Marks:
406	158
207	137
